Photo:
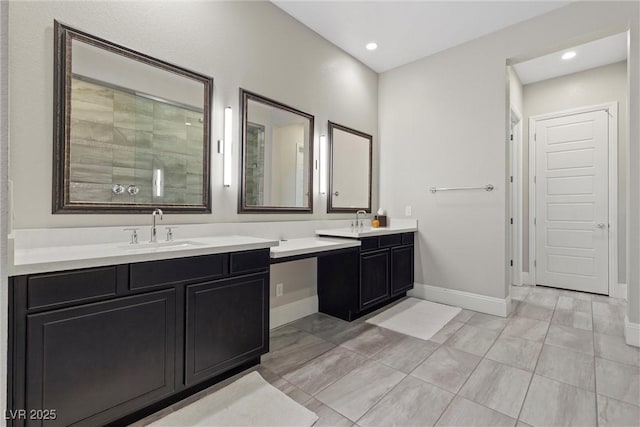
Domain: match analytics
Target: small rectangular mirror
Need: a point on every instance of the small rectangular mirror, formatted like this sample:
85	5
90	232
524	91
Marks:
349	169
132	131
277	156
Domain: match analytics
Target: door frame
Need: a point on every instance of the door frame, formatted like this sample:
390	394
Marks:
612	109
515	157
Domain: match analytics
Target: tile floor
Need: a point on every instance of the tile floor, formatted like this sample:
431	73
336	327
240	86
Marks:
558	359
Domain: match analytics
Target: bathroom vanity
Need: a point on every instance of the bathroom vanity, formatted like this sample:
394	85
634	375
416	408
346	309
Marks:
93	345
379	271
359	269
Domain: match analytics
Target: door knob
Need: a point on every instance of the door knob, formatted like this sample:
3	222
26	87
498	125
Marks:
600	225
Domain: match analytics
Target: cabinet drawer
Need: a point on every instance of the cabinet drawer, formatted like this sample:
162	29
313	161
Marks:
46	290
407	238
249	261
390	240
368	244
172	271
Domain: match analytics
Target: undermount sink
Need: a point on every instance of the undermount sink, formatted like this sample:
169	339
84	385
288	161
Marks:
174	244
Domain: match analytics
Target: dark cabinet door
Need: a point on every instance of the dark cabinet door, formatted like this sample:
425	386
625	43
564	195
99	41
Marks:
97	362
401	269
374	277
227	324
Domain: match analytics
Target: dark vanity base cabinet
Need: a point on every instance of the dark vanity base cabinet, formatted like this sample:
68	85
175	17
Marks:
356	282
115	342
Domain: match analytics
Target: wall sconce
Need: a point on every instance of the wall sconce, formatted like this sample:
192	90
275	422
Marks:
324	164
227	147
158	183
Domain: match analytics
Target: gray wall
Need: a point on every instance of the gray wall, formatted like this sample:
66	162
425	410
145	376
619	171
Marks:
298	280
253	45
443	122
597	86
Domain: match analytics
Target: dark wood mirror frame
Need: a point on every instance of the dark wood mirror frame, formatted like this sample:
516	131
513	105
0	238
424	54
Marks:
63	37
330	207
245	97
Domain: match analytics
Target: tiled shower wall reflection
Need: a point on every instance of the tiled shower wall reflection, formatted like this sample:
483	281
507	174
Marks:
254	173
118	137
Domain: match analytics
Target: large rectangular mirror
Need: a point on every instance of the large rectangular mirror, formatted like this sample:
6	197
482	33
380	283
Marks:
277	156
132	131
349	169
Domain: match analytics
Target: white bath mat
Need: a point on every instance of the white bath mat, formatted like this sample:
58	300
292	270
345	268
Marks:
249	401
418	318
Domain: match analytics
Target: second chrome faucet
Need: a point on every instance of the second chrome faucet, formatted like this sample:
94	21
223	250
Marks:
154	230
360	225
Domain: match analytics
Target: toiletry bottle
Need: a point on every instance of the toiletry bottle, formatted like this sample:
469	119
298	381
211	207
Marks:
375	223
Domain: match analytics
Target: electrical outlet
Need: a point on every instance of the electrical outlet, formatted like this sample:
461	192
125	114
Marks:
407	211
279	289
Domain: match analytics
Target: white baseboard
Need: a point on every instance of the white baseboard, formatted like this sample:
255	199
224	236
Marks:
468	300
293	311
525	278
619	290
631	332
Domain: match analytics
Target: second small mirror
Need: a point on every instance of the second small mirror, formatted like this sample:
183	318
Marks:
350	174
277	152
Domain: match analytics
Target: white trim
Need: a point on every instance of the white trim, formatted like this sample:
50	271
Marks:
532	201
619	290
613	197
612	108
293	311
631	332
468	300
516	188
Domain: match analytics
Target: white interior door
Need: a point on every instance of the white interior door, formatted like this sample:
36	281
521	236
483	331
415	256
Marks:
572	223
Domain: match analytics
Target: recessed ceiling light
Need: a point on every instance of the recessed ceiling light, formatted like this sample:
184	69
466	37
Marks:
568	55
372	46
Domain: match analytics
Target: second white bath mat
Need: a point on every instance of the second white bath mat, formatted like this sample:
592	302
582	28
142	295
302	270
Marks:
418	318
249	401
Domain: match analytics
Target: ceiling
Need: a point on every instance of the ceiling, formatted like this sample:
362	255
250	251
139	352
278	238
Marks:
590	55
408	30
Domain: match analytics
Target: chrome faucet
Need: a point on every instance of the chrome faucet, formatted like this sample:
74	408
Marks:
358	216
154	231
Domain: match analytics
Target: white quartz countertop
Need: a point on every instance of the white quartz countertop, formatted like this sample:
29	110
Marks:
310	245
355	233
58	258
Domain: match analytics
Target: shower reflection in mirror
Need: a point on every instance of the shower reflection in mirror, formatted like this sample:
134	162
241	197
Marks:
132	131
277	147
